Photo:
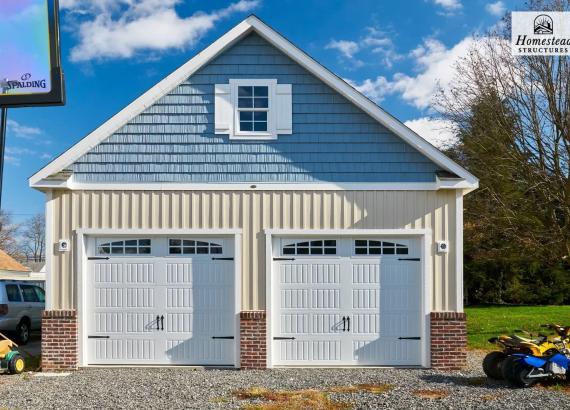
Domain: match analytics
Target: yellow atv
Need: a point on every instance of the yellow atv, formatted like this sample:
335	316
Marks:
541	345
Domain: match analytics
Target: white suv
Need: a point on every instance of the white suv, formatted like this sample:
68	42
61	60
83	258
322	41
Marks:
21	306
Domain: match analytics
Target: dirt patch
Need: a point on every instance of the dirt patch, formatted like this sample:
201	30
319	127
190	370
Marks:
288	399
357	388
431	394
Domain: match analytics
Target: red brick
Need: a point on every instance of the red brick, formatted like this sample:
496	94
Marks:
448	340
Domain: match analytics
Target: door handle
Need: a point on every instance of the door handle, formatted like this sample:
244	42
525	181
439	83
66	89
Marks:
343	324
157	324
348	320
162	322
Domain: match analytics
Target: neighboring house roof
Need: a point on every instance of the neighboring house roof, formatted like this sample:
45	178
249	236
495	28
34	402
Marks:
7	263
237	33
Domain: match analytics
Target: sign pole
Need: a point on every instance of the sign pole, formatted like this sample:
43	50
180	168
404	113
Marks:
3	125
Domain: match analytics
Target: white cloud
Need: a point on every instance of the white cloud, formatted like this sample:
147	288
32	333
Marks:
496	9
449	5
438	132
345	47
14	155
23	131
434	69
108	29
374	41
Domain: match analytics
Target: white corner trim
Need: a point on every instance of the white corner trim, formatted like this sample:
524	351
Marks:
202	58
49	249
459	250
254	186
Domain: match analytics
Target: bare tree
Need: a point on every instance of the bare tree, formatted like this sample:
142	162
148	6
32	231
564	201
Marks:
9	235
33	238
535	93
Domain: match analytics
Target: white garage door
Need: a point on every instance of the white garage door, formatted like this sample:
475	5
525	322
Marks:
346	302
161	300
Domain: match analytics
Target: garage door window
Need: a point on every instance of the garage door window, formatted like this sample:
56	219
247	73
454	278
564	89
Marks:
317	247
126	247
192	247
371	247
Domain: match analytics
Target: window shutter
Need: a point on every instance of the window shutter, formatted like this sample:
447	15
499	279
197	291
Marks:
223	115
284	109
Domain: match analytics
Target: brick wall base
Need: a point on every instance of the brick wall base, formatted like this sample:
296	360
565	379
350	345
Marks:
448	340
253	342
59	340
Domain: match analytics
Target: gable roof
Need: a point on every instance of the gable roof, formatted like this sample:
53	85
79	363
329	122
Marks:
252	23
7	263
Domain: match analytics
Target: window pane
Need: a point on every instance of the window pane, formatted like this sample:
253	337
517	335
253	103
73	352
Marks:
189	251
360	243
374	243
330	251
216	249
104	250
261	91
144	242
245	91
402	251
118	243
261	103
144	250
246	126
13	293
41	294
316	251
302	251
260	116
175	242
245	102
375	251
246	116
260	126
117	251
29	293
202	250
316	243
131	242
288	251
360	251
388	244
330	243
388	251
189	243
175	251
131	250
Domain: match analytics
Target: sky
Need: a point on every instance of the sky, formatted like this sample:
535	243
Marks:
396	52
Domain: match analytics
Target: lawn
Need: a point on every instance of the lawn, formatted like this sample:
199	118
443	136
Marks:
484	322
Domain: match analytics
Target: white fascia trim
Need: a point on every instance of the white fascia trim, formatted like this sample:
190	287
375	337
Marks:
347	232
156	231
140	104
255	186
277	40
49	250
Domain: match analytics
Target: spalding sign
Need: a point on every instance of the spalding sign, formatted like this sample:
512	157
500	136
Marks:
30	72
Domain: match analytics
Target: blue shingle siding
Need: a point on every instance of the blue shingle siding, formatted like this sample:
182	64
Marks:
332	140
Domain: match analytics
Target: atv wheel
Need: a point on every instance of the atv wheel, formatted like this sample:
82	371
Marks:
508	365
16	364
518	376
493	365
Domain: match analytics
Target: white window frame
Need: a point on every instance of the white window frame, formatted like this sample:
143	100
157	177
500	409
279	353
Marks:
271	133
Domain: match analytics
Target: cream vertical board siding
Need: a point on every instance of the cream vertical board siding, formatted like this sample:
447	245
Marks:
253	212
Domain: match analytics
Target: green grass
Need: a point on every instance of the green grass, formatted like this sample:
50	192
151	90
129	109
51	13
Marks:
484	322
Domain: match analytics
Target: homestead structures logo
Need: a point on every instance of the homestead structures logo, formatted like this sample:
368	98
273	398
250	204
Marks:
25	82
540	33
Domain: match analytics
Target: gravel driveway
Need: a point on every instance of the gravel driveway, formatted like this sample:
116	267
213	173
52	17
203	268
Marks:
188	388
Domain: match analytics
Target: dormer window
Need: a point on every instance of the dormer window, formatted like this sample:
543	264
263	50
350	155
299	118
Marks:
253	109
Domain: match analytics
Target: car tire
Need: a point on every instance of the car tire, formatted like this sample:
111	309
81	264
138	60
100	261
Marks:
23	333
16	364
493	365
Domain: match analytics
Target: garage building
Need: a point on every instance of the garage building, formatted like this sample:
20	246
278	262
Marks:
253	210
